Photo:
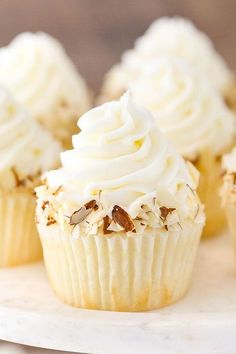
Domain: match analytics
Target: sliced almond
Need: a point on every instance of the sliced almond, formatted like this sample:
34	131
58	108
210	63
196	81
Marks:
92	204
121	217
51	221
44	204
165	212
56	192
106	223
79	215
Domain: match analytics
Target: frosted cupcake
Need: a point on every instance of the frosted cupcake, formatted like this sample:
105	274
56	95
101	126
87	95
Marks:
26	150
193	115
38	72
120	222
175	37
228	192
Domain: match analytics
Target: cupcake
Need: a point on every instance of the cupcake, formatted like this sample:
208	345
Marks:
26	150
192	113
228	191
175	37
40	75
120	222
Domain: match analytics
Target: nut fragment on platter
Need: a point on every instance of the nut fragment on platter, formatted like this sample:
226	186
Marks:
121	217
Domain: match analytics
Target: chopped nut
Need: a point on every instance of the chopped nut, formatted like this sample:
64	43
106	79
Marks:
81	214
121	217
91	205
45	203
57	191
234	177
194	160
19	182
51	221
165	212
106	223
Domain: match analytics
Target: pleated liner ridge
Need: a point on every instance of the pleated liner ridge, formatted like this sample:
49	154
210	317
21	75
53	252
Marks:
19	241
120	272
231	219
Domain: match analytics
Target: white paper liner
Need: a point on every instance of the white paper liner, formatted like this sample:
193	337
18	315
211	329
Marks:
120	272
19	241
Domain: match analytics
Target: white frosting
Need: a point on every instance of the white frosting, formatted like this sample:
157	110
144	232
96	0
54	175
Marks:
120	157
36	69
24	144
229	161
186	107
175	37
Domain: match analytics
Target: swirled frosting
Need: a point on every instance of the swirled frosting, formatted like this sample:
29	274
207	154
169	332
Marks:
25	147
186	107
37	71
175	37
121	158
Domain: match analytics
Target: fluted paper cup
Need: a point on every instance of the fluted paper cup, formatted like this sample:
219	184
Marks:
120	272
231	219
210	183
19	241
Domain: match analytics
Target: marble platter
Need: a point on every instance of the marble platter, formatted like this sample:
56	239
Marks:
204	322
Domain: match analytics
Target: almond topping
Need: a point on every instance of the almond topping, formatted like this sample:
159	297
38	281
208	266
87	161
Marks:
45	203
106	223
165	212
81	214
91	205
57	191
51	221
19	182
121	217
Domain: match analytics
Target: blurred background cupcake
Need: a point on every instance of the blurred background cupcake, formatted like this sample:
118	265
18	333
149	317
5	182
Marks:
38	72
194	116
26	151
228	192
174	37
175	72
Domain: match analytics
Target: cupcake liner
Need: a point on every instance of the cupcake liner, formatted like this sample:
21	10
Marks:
231	220
19	241
210	182
120	272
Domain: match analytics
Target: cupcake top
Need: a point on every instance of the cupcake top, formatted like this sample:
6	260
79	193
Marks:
36	69
186	107
173	37
26	149
122	174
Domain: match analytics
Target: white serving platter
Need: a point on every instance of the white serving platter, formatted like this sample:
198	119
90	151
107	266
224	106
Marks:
204	322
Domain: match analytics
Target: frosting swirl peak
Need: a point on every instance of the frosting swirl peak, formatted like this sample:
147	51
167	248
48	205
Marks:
186	107
120	157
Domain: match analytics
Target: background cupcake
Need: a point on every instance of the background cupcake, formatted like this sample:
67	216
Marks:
193	115
175	37
26	150
120	221
228	191
38	72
